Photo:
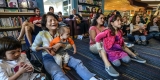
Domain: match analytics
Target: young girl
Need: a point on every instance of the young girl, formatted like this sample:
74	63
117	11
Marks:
62	55
13	64
113	43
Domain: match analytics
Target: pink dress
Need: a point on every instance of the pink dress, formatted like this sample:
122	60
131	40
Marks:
112	44
97	32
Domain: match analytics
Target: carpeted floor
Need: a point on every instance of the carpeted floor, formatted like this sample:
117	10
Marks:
131	71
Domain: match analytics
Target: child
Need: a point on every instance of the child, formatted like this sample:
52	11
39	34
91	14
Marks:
62	54
113	43
13	64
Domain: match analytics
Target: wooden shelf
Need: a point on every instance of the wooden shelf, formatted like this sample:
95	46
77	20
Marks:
89	4
17	13
9	28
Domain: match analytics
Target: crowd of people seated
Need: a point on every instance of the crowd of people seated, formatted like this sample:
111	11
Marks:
107	38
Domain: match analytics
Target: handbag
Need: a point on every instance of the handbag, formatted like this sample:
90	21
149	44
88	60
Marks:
37	63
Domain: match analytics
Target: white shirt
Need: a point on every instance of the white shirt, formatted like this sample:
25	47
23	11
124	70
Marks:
7	69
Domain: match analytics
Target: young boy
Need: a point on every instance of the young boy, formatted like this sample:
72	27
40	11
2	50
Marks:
62	55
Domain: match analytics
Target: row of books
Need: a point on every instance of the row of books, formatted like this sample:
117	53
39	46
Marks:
15	10
14	34
86	8
12	21
94	2
18	3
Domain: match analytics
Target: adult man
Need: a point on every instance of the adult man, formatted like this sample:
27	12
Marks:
31	27
83	25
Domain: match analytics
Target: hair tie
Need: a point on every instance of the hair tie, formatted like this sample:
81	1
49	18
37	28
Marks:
111	18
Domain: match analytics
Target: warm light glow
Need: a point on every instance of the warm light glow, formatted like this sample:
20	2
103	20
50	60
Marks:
150	0
152	4
122	5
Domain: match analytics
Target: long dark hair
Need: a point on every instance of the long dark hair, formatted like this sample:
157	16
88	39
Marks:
92	10
8	43
151	23
95	19
112	19
98	10
134	19
44	20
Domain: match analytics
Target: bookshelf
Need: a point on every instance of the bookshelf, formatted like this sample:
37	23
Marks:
85	6
13	15
16	14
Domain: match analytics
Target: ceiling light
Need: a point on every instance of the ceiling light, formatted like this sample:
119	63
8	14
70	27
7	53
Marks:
153	4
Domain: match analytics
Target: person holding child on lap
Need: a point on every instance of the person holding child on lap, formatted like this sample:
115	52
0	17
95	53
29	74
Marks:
42	42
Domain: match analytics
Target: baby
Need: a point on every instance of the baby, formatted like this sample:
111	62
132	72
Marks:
61	54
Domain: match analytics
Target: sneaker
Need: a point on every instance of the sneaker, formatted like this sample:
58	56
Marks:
112	72
139	42
98	78
138	59
129	45
144	43
95	78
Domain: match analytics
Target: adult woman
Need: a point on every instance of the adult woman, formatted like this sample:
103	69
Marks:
153	28
137	29
50	25
125	26
95	29
99	11
93	12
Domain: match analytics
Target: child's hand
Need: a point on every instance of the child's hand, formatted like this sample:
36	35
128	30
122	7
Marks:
74	52
29	68
23	69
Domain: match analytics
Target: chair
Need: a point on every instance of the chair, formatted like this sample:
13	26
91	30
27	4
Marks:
69	22
77	28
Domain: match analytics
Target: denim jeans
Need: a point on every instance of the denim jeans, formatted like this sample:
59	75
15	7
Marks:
138	38
56	72
132	38
154	35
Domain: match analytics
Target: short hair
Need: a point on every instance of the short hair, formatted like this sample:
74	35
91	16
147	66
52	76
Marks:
36	8
8	43
44	20
59	12
50	8
61	30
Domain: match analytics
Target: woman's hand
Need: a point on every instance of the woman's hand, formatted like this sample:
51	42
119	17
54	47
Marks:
49	50
74	52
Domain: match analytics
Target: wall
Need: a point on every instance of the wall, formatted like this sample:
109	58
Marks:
40	6
58	6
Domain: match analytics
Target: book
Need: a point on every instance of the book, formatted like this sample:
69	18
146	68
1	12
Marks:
80	7
11	10
12	3
80	1
23	10
30	10
1	9
22	3
2	3
32	3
